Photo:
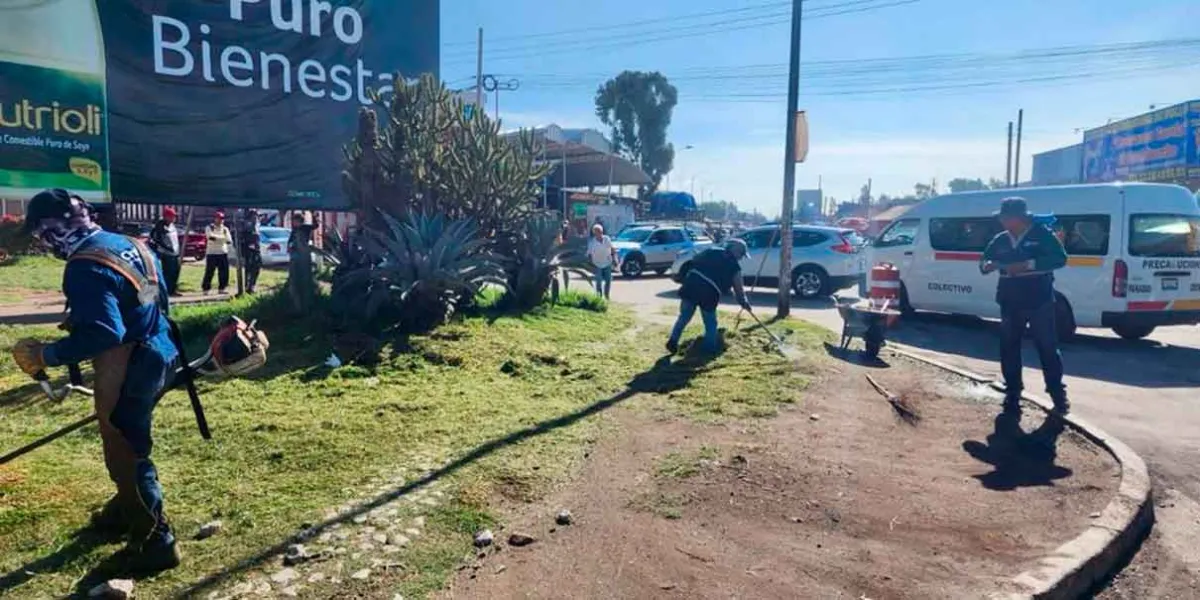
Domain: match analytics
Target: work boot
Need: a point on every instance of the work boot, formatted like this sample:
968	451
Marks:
154	556
111	519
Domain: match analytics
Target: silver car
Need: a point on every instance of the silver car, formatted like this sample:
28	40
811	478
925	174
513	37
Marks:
825	259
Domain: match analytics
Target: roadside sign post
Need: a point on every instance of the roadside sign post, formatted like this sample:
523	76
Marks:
797	136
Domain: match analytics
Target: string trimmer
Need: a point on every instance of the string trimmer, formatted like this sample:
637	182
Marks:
237	349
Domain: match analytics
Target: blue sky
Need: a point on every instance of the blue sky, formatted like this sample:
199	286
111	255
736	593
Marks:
896	138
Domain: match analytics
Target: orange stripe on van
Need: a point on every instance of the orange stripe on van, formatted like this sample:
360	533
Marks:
962	256
1186	305
1085	261
1148	305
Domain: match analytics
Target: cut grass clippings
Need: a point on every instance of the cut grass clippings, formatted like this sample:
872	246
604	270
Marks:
298	438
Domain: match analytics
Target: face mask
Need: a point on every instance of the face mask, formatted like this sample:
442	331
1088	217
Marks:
62	240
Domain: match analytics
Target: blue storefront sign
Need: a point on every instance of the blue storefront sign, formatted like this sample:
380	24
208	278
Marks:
1163	145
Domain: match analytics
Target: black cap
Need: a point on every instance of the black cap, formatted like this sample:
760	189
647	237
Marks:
1013	207
49	204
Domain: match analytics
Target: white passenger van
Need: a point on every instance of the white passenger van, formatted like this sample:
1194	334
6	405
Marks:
1134	254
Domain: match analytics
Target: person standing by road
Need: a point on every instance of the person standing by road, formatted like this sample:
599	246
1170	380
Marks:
164	240
713	271
250	249
216	255
604	257
1026	254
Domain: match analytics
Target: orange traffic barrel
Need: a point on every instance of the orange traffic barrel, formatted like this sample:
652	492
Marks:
884	287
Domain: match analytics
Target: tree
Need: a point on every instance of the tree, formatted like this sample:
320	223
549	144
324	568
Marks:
637	107
718	210
962	184
925	191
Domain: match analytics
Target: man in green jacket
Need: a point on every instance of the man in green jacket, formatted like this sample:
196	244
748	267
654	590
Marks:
1026	254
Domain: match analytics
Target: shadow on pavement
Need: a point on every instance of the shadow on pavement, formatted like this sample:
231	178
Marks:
666	375
1087	356
1019	459
855	357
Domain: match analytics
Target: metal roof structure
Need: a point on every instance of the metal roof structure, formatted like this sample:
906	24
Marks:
584	158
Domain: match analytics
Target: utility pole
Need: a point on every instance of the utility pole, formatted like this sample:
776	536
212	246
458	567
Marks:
1017	154
479	72
789	168
491	84
1008	158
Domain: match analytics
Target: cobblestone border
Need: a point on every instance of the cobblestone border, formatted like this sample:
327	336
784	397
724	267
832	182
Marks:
1074	568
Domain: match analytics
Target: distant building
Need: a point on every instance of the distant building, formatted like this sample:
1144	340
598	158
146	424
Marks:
808	205
1161	146
1061	166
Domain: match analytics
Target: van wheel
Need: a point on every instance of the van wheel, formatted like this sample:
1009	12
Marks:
810	282
1131	331
1064	319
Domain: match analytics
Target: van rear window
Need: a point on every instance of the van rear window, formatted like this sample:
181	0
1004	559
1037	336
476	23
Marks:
1164	235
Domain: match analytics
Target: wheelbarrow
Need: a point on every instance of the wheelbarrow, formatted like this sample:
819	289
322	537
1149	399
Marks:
867	321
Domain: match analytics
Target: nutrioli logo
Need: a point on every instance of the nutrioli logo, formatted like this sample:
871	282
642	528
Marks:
53	118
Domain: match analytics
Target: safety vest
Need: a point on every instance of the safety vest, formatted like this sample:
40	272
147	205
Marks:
135	264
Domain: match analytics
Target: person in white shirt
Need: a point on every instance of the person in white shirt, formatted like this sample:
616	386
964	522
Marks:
216	254
604	257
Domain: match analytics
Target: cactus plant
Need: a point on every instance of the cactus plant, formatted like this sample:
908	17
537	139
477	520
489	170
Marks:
428	157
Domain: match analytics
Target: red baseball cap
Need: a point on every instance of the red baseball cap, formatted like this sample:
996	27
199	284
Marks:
168	212
220	215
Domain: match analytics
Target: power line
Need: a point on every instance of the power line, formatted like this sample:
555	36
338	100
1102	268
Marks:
948	89
690	31
897	64
640	23
628	24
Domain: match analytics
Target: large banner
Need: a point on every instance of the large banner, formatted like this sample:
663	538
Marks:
211	102
1159	146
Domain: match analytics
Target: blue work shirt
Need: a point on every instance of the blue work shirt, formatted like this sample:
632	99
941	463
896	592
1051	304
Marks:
104	308
1041	251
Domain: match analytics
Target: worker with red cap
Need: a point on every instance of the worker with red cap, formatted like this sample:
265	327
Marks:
164	240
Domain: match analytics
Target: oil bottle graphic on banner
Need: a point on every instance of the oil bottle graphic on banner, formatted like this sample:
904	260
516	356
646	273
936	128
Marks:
53	119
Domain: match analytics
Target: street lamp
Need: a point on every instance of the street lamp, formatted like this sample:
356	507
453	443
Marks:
687	147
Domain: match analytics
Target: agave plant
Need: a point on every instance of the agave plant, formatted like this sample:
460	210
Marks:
542	261
420	271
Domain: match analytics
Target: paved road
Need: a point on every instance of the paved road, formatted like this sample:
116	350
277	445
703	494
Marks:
1147	393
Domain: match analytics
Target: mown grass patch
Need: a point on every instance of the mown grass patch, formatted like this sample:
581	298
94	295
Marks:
297	437
509	401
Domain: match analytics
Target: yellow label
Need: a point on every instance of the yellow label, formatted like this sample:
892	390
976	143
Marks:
87	169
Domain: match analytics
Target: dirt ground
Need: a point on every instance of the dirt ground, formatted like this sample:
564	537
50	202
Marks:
836	498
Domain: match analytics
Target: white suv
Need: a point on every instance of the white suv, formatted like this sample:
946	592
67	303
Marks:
825	259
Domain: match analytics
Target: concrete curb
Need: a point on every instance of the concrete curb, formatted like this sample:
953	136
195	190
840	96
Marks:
1074	568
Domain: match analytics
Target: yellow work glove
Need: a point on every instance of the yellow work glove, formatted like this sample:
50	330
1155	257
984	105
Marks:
28	355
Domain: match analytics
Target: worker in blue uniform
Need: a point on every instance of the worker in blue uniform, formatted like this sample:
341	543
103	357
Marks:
711	274
118	307
1026	254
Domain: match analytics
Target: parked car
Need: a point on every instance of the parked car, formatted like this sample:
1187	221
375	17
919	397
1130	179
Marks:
139	231
1133	255
654	248
194	245
273	245
825	259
